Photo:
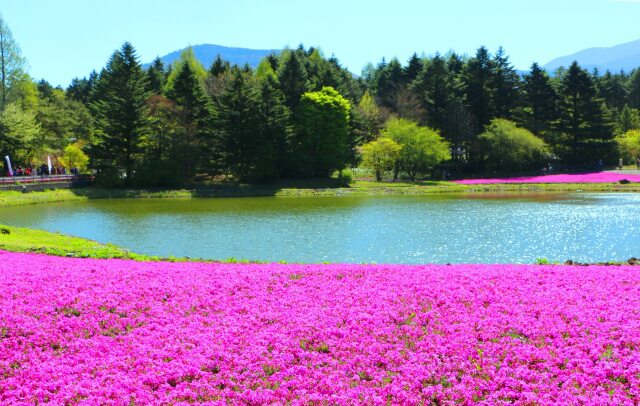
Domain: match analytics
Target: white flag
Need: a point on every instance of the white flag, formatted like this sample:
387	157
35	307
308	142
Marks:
9	165
49	163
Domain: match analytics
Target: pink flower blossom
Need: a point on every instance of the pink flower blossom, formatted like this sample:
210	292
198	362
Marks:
84	331
596	177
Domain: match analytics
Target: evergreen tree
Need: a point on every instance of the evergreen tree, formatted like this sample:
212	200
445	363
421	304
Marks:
587	129
540	100
275	123
195	144
388	81
506	83
156	77
634	89
119	110
613	91
413	69
293	78
219	67
478	85
628	119
247	152
434	89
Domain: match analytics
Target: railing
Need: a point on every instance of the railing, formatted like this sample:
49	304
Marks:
12	180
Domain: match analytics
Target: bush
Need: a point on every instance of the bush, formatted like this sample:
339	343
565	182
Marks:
509	148
629	145
380	156
344	176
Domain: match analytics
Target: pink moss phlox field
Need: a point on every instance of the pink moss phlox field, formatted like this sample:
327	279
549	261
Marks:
595	177
83	331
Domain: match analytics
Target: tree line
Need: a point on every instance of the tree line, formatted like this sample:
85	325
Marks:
302	115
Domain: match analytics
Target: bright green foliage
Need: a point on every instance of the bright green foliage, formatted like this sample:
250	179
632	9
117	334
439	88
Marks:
19	131
380	156
321	144
369	119
629	145
24	91
62	121
119	110
422	147
11	63
74	157
628	119
510	148
187	57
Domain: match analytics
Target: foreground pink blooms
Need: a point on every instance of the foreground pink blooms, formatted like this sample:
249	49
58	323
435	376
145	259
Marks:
596	177
76	331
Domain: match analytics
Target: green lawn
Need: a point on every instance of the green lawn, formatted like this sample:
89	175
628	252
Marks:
26	240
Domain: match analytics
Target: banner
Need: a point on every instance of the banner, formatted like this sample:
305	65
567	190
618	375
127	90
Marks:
49	163
9	165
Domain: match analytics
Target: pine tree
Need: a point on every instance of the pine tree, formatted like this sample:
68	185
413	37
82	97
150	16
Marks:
156	77
195	147
540	101
239	118
634	89
293	78
434	88
413	69
478	81
583	120
275	125
628	119
119	110
613	90
219	67
506	83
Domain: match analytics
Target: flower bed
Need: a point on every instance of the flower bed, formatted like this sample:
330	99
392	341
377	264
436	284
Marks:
122	332
596	177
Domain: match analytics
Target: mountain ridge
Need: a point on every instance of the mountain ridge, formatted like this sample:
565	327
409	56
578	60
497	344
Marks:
206	54
625	57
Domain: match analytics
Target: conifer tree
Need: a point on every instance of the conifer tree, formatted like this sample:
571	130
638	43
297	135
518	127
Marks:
478	81
506	83
413	69
156	77
584	122
275	123
196	146
119	110
239	119
293	78
540	100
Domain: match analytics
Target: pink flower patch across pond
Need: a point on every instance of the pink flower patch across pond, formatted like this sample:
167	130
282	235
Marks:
595	177
83	331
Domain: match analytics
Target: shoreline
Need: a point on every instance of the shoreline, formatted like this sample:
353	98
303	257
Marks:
358	188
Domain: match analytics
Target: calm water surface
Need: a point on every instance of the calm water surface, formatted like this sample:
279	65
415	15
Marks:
397	229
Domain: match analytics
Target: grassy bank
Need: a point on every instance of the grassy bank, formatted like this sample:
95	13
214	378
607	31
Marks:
26	240
358	188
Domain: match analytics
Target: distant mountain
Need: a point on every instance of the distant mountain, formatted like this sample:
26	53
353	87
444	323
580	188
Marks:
206	54
620	57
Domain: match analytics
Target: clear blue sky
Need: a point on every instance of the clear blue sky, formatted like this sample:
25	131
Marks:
67	38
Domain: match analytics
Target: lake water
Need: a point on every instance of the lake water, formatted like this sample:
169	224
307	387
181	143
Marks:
395	229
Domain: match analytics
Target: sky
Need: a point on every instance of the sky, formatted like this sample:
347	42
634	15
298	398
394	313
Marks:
64	39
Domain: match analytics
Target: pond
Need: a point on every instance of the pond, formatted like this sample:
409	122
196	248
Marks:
391	229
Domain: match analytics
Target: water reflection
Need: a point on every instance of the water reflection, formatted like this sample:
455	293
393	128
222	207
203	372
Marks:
392	229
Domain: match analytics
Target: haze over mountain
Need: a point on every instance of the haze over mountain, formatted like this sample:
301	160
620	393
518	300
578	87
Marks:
619	57
206	54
